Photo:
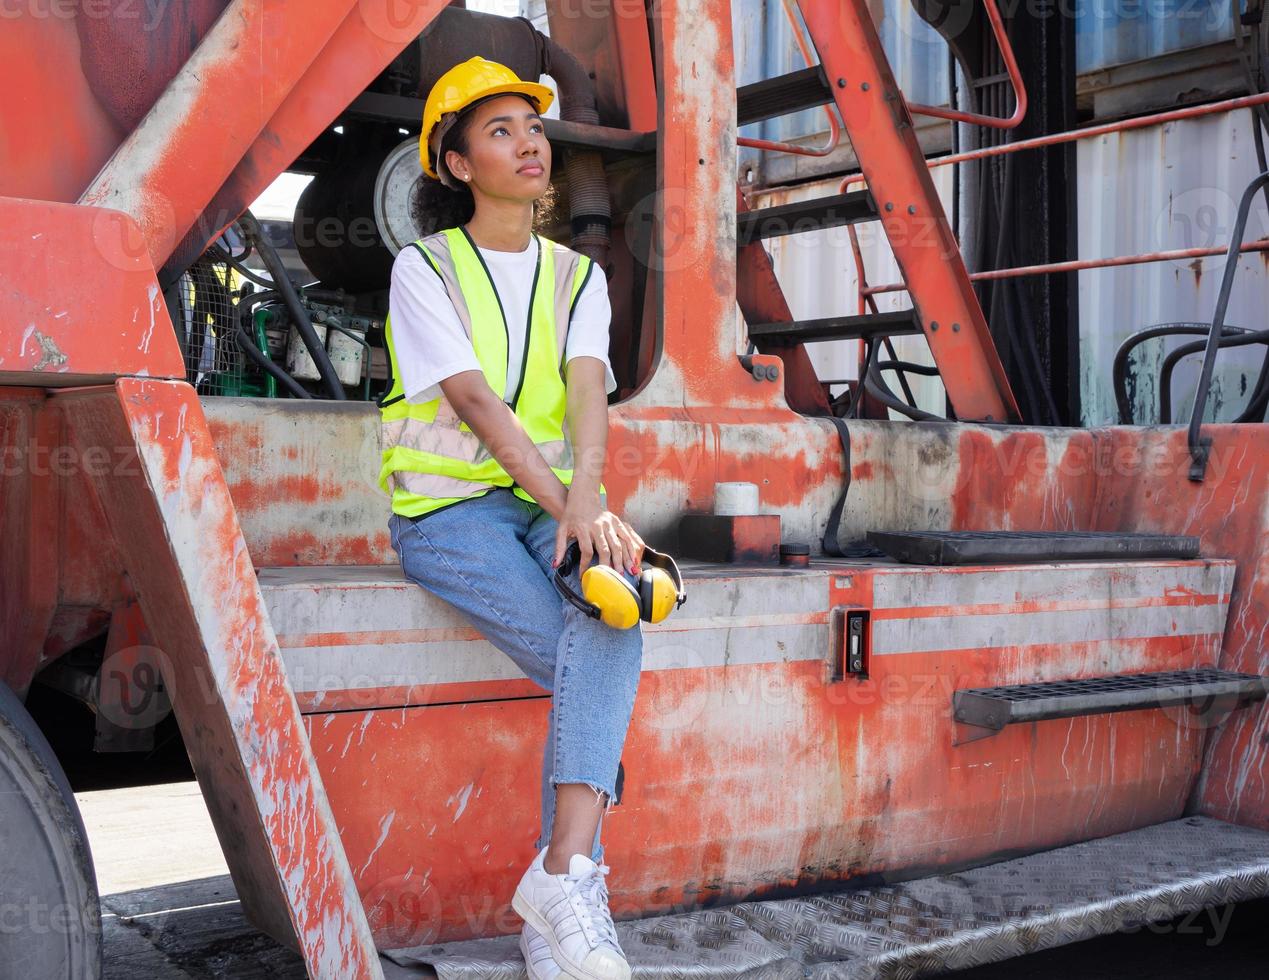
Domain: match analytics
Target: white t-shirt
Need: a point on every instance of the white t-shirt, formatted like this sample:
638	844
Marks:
431	344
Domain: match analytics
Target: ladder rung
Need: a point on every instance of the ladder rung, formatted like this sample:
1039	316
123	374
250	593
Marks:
995	707
771	97
837	328
800	216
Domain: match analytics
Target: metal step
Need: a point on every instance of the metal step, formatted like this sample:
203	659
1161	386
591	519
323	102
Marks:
992	708
802	216
946	922
1010	547
837	328
779	96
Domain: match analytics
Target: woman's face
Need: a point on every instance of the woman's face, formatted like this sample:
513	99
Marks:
507	155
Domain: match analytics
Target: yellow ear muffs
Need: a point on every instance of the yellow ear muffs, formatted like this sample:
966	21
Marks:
608	597
616	599
657	594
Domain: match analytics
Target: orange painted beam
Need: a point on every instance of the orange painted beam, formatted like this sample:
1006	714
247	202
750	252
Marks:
170	513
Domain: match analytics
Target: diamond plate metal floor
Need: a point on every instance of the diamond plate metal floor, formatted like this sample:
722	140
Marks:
922	927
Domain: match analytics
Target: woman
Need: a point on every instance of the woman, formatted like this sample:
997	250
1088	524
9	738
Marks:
498	347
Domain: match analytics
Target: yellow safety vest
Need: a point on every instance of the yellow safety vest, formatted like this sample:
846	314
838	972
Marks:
431	458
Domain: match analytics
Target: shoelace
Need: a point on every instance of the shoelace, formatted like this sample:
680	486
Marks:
591	889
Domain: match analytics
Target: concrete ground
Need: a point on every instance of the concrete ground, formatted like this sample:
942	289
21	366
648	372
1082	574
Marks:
170	911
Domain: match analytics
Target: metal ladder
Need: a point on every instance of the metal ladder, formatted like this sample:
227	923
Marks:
854	74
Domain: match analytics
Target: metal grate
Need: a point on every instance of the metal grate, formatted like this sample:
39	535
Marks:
993	547
214	365
920	928
995	707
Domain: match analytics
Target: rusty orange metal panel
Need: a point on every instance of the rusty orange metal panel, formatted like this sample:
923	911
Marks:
173	520
29	531
54	132
371	35
880	130
1105	479
81	300
1229	512
303	477
167	170
695	217
761	300
753	770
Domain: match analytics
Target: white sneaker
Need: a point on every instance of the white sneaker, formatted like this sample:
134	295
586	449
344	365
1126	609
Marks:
571	913
538	960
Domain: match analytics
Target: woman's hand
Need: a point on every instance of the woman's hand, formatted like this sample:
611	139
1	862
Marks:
598	532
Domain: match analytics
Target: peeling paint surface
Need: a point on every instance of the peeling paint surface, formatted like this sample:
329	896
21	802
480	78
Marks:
85	312
811	780
238	716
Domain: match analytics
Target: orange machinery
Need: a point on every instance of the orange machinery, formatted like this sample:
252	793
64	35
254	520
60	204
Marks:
368	760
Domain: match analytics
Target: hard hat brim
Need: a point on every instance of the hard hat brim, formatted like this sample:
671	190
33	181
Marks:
540	94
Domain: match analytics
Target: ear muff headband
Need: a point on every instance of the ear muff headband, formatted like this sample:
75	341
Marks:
607	596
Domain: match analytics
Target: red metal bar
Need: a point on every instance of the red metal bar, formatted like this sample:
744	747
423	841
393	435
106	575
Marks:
361	47
761	300
834	131
166	171
1055	139
912	216
1079	265
1015	79
1074	135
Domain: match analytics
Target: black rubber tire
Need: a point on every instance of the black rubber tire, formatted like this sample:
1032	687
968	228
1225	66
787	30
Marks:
50	914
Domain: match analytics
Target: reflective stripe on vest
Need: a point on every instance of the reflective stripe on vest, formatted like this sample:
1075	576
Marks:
431	458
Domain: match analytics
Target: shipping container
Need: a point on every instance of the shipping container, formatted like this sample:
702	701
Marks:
1167	187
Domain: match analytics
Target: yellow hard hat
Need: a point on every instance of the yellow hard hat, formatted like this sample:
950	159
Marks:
462	85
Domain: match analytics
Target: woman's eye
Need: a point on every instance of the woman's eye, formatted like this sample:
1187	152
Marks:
536	128
499	129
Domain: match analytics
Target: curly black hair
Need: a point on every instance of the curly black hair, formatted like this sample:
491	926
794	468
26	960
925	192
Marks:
435	207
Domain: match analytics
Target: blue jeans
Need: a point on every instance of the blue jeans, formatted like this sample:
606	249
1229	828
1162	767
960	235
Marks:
490	557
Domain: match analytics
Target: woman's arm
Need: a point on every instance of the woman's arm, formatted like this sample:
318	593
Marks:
598	531
497	427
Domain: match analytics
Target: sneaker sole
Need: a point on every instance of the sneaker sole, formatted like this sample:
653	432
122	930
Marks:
528	966
533	917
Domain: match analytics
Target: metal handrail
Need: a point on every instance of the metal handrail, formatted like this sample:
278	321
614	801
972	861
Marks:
834	131
1015	79
1201	446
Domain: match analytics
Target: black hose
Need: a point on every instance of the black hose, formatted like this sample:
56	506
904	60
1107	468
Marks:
590	209
248	347
902	374
857	391
235	261
1258	403
910	367
1170	362
1119	369
879	390
282	283
248	303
